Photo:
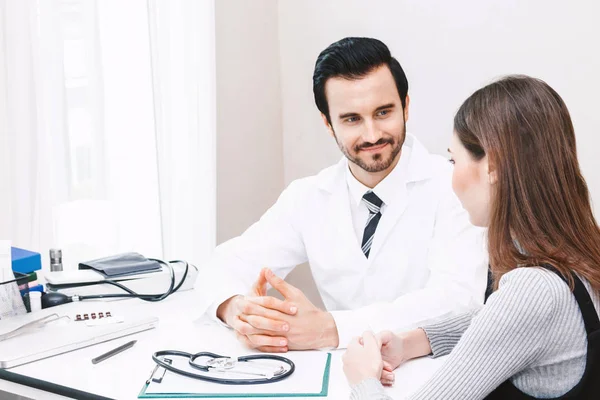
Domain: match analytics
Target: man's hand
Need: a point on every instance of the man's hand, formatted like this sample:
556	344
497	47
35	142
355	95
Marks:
309	328
260	286
257	319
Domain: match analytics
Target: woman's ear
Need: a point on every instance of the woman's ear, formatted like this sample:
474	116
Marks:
491	172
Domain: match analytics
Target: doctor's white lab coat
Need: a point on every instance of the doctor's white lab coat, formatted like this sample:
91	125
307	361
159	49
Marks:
426	261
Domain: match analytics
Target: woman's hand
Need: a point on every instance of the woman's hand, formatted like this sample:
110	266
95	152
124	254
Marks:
362	359
397	348
393	350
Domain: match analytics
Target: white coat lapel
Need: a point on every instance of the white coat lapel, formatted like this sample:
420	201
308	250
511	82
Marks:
339	208
418	168
339	216
389	220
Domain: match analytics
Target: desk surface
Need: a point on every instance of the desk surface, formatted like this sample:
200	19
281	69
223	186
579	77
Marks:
122	376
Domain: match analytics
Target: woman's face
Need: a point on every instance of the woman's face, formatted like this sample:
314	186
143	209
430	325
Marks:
471	182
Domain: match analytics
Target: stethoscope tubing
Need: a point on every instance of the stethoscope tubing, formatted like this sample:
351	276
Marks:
225	381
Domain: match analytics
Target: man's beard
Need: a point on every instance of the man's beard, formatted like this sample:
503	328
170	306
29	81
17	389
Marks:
376	163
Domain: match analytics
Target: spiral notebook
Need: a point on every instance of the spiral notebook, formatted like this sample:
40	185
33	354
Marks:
310	379
61	337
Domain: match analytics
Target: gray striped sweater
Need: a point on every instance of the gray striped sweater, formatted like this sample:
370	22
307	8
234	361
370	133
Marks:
530	331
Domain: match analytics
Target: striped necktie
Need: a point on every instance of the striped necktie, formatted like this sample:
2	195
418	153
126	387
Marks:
374	204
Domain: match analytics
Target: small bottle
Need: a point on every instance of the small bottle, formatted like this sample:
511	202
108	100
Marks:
35	301
56	260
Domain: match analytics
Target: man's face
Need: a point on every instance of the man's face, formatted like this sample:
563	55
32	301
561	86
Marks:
367	119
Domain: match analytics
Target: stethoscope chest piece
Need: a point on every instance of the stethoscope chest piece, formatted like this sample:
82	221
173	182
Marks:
221	364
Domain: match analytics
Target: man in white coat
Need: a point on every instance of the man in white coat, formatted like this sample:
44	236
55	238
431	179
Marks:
388	243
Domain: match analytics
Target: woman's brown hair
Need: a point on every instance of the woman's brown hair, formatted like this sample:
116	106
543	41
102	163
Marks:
540	212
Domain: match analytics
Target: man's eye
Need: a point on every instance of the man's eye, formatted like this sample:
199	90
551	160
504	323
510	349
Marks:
451	161
383	113
351	119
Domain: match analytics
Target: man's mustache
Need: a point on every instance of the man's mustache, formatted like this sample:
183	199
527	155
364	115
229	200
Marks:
367	145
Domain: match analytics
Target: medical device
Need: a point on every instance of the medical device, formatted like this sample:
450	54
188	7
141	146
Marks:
54	298
245	370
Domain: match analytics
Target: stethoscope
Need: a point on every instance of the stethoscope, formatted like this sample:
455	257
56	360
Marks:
222	364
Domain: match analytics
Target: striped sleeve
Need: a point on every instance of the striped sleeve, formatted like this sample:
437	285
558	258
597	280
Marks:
369	389
445	334
507	336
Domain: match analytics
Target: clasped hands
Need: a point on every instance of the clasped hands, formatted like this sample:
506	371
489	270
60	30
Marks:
378	355
268	324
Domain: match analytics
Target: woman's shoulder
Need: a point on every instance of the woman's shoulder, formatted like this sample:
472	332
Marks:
539	285
527	274
548	285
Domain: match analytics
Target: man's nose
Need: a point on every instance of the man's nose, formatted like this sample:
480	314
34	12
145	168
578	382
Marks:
372	133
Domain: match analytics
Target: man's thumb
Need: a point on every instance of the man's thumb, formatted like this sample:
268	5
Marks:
287	290
260	286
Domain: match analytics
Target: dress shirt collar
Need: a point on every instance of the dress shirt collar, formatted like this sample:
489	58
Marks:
387	190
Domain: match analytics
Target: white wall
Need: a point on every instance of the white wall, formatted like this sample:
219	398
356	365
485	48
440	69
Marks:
249	139
249	130
448	49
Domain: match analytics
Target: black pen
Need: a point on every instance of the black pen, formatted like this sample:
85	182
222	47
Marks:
113	352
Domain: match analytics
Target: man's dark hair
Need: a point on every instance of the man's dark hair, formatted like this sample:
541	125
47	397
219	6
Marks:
353	58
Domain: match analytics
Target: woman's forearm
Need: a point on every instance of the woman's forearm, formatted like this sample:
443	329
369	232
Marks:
416	343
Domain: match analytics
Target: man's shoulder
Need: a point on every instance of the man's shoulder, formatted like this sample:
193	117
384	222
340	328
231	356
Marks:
324	180
437	174
440	166
425	166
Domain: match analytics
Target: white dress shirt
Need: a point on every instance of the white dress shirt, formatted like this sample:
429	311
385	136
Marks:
385	190
426	260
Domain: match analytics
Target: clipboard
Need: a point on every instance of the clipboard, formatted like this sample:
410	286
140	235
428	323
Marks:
306	370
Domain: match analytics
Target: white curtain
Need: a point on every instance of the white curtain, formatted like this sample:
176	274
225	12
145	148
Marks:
107	133
183	64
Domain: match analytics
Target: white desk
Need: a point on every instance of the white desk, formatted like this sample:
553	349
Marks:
122	376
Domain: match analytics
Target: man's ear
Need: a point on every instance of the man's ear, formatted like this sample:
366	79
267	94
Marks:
406	103
327	124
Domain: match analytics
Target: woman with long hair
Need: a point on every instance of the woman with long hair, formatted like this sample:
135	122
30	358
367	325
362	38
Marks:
538	335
